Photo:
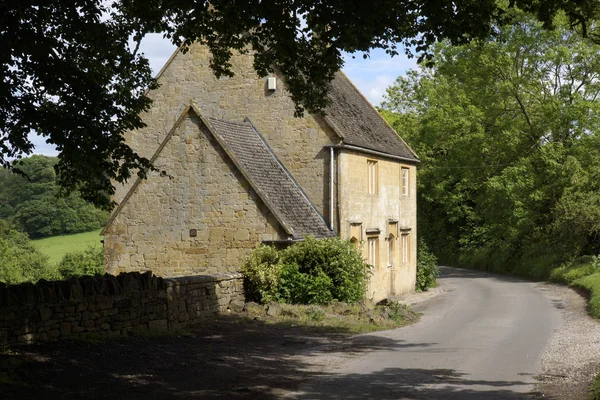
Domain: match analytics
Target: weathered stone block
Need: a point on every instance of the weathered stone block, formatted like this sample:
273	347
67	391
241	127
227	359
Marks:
158	325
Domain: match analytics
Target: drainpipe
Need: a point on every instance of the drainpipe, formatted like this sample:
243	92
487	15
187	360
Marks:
331	166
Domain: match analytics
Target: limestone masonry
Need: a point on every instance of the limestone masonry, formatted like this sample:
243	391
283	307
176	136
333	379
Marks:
130	303
240	169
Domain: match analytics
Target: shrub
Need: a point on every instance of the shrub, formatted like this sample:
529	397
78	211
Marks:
261	274
20	261
427	267
327	269
296	287
79	263
308	272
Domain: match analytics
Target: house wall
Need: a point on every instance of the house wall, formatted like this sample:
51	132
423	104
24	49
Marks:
298	142
375	211
205	192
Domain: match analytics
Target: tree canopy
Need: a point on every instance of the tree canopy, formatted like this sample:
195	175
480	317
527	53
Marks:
33	206
71	74
508	131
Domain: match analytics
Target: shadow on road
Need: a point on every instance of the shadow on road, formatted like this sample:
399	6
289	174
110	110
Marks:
229	358
398	383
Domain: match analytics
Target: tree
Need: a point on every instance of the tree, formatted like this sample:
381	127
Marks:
20	261
507	129
33	205
71	75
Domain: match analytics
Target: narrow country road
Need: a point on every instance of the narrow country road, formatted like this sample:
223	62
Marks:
482	338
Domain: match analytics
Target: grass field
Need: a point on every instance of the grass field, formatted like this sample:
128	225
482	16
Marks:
57	246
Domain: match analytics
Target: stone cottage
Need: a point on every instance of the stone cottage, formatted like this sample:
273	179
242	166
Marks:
243	170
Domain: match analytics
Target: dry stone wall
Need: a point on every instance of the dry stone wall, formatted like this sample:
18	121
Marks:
108	305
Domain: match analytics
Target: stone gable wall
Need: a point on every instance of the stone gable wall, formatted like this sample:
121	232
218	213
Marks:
297	142
110	305
205	192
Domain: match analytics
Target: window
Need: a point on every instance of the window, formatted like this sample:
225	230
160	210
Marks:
405	243
372	177
373	243
405	181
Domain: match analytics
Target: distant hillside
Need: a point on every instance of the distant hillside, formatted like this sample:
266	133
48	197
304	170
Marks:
33	205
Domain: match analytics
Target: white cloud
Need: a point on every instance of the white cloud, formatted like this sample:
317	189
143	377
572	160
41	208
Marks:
372	76
41	147
157	49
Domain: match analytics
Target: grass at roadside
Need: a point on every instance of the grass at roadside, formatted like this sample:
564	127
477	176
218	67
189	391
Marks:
351	318
591	284
595	389
584	273
56	247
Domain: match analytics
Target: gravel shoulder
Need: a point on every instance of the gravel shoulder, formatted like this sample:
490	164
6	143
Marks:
572	358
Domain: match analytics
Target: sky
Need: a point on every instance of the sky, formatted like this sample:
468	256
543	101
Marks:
371	76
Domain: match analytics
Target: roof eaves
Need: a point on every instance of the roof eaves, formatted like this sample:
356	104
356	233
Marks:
374	152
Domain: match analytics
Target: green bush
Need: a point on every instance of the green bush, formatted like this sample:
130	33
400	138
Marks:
427	267
261	274
328	269
20	261
79	263
296	287
308	272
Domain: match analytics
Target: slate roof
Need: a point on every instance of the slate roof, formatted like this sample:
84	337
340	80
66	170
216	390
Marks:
359	124
269	178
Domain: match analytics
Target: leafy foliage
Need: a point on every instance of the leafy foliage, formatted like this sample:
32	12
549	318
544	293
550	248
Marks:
427	267
571	271
308	272
20	261
33	204
80	263
72	74
261	274
507	131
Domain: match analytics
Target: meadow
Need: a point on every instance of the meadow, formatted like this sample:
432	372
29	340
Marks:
55	247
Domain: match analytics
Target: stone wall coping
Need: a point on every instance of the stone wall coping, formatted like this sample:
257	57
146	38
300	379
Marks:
187	280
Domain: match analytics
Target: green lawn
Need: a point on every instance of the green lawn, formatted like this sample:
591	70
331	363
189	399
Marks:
57	246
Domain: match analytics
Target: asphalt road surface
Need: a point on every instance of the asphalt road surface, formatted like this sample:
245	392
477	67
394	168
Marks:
482	338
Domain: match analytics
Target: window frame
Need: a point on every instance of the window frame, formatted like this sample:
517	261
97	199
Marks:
405	181
372	177
405	245
373	251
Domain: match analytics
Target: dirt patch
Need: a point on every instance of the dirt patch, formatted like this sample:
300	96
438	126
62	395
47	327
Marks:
230	357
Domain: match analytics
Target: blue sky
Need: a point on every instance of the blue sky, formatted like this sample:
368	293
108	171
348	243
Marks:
371	76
